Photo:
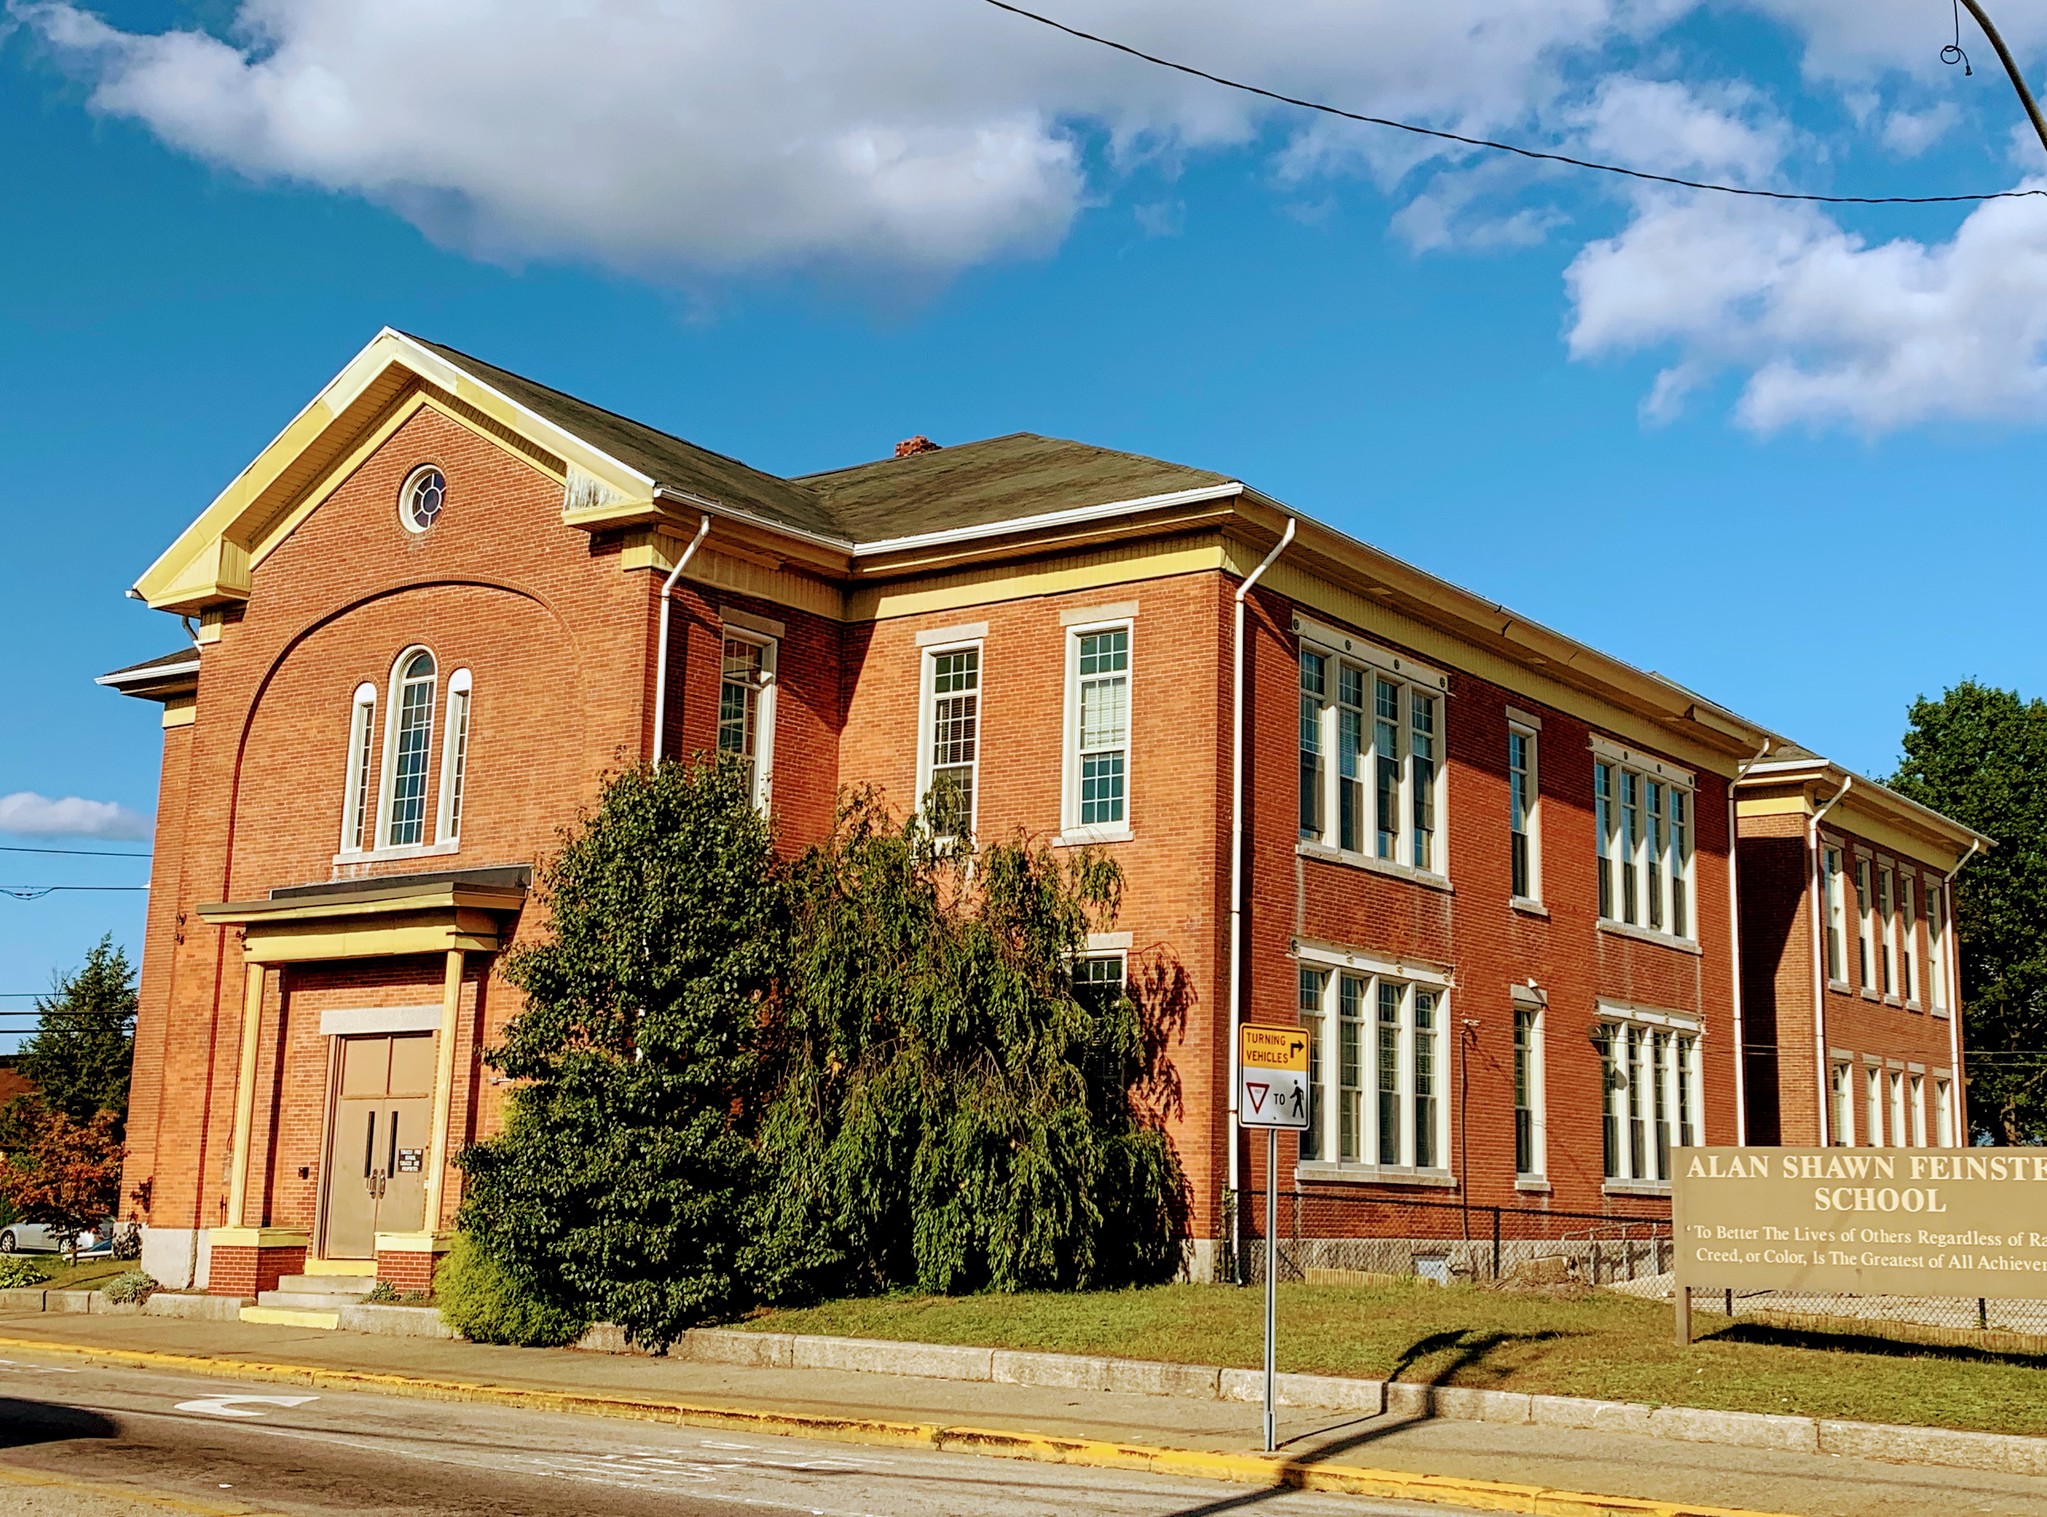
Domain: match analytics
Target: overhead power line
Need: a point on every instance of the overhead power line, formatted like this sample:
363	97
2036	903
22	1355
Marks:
77	853
1503	147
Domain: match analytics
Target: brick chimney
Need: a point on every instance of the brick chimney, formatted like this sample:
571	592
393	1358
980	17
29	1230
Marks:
910	447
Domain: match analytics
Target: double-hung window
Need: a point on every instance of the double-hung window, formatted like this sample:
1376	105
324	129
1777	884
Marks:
1524	853
408	743
1528	1094
1887	916
1936	950
1381	716
1943	1112
1841	1087
1377	1063
1865	938
1837	917
746	708
950	752
1872	1106
1098	730
454	758
1642	812
355	785
1917	1101
1899	1136
1908	939
1650	1066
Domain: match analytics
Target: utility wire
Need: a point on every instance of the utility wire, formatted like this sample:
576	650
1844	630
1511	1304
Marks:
77	853
1508	147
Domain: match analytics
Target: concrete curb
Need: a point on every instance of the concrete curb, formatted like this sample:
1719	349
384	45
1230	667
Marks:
1267	1471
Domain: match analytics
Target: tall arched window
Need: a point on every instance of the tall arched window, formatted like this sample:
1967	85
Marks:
355	784
408	739
454	758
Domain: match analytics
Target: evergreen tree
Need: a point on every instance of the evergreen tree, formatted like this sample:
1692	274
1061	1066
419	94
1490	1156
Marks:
1978	754
81	1052
624	1184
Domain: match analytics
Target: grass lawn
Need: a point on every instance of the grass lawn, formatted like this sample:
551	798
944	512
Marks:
87	1275
1603	1345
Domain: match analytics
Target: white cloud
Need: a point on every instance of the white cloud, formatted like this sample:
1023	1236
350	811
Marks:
27	814
1910	133
1829	329
1725	131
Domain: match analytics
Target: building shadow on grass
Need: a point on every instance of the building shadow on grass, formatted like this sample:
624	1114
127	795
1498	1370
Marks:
1448	1354
1765	1334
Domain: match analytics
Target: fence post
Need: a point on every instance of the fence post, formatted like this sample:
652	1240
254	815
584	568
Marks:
1496	1243
1681	1297
1982	1315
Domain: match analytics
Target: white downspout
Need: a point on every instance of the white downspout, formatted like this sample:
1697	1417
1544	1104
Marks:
661	658
1237	839
1819	956
1958	1111
1734	942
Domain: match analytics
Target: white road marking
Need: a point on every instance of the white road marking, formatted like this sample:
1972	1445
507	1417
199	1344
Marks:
36	1369
240	1406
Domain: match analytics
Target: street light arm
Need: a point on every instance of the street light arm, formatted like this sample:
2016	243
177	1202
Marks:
2011	67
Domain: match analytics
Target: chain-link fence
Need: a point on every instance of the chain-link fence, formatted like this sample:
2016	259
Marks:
1325	1239
2001	1326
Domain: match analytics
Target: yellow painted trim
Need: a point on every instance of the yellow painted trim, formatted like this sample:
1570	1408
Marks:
181	711
292	1316
258	1237
340	941
253	976
1089	571
441	898
415	1243
1772	805
1267	1471
444	1094
361	1268
212	621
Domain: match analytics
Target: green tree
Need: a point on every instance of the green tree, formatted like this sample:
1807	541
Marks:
623	1186
79	1057
1977	754
949	1114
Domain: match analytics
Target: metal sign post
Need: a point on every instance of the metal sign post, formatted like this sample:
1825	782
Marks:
1272	1066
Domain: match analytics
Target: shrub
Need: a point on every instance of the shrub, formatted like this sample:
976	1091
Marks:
130	1286
484	1304
383	1293
21	1274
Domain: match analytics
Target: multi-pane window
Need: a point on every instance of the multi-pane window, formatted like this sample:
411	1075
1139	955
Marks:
408	742
1376	1061
1917	1100
1865	939
355	792
1521	793
1908	938
1528	1093
953	740
1887	916
739	693
454	758
1943	1113
1837	916
1382	795
1872	1106
1101	706
1652	1076
1899	1139
1841	1087
1309	1000
1644	824
1098	981
1936	951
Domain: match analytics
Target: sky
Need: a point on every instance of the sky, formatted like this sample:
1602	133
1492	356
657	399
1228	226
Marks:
1784	453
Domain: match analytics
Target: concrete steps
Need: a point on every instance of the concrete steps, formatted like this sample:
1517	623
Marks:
312	1301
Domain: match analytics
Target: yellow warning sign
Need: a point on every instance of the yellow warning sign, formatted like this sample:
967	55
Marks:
1274	1048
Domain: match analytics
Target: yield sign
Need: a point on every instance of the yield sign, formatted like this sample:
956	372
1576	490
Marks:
1256	1090
239	1406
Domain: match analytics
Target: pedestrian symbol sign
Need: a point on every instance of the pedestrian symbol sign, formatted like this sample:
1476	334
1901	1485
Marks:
1272	1068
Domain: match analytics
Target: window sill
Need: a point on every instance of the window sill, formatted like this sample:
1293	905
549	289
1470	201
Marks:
1375	1174
1082	837
1657	1188
1941	1012
1533	1185
1914	1006
1892	1001
1648	935
1841	987
1528	905
1309	849
1870	995
408	851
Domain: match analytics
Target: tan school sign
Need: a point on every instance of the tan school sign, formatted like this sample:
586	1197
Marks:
1870	1221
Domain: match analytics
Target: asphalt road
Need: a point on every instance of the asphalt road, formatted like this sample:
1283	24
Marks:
86	1441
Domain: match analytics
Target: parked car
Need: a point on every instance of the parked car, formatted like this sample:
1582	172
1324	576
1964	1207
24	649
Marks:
36	1238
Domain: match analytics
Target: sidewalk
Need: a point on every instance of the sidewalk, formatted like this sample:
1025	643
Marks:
1611	1464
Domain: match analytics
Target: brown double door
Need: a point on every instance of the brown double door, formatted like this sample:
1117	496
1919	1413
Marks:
377	1147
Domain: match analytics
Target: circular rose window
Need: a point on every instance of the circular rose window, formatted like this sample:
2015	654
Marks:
420	502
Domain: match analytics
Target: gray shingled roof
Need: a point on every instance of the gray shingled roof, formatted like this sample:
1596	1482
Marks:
975	484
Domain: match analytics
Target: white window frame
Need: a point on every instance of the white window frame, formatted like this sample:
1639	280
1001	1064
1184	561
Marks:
357	833
1071	828
1646	1091
1887	921
394	719
1536	1081
1865	924
448	805
1655	872
928	656
1894	1088
1834	895
1409	679
1841	1098
1908	938
763	705
1936	947
1944	1124
1369	972
1872	1104
1529	732
1916	1079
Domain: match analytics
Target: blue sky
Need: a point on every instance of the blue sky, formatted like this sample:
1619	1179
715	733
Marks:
1787	457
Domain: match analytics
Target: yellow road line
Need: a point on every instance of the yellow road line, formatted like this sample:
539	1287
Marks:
108	1490
1267	1470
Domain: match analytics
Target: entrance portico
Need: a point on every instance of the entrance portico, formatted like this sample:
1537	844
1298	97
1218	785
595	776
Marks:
383	1074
